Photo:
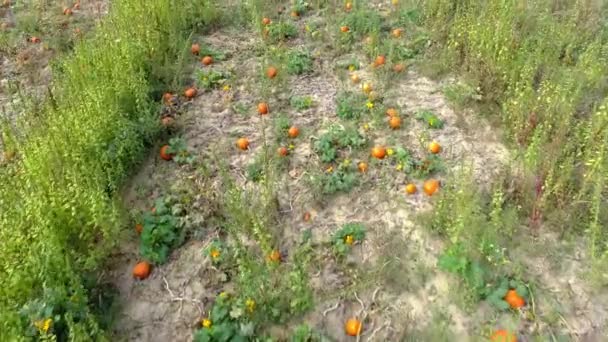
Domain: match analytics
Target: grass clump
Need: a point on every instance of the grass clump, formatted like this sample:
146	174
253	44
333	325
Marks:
59	216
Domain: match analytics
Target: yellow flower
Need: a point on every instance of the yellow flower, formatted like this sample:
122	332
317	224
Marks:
206	323
330	169
43	325
369	104
292	146
351	68
346	162
307	28
349	240
250	304
366	127
399	167
215	253
390	151
223	295
227	87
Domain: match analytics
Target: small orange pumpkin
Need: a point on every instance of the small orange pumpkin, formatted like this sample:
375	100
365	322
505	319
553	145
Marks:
67	11
362	166
431	186
380	60
399	67
411	189
271	72
163	153
353	327
503	336
434	147
344	29
293	132
207	60
283	151
379	152
394	122
396	33
167	97
263	108
392	112
274	256
142	270
190	93
195	49
167	121
348	6
139	228
242	143
266	21
306	216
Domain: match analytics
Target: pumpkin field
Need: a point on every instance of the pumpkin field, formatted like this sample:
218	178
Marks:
290	170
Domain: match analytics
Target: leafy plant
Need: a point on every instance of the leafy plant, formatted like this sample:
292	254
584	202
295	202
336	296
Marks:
455	260
281	31
299	62
301	102
428	117
335	138
351	106
497	293
363	21
229	320
345	237
342	179
216	251
211	79
305	333
179	150
430	165
162	231
403	160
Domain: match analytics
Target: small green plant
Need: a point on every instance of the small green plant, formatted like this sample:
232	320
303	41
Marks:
462	94
281	31
216	251
335	138
362	22
351	106
255	170
299	6
162	231
299	62
229	320
211	79
403	160
301	102
496	294
340	179
179	150
428	117
281	125
305	333
429	165
346	237
455	260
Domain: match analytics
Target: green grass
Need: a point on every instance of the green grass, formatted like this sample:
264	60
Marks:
59	215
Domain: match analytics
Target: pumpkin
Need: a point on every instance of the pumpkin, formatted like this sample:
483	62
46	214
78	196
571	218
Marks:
167	121
76	5
263	108
190	93
380	60
394	122
514	300
35	40
142	270
293	132
392	112
163	153
379	152
395	2
207	60
242	143
283	151
411	189
367	88
348	6
503	336
362	166
355	78
431	186
295	14
195	49
399	67
139	228
434	147
266	21
396	33
67	11
274	256
271	72
306	216
344	29
353	327
167	97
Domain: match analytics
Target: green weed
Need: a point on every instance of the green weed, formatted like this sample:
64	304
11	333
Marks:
336	138
211	79
179	150
346	237
301	102
299	62
163	231
429	118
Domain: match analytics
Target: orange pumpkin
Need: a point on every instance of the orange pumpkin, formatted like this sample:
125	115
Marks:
295	14
190	93
283	151
306	216
396	33
139	228
503	336
271	72
195	49
242	143
392	112
167	121
163	153
207	60
431	186
167	97
379	152
411	189
274	256
76	5
434	147
353	327
344	29
266	21
35	40
348	6
263	108
399	67
67	11
380	60
355	78
514	300
394	122
362	166
142	270
293	132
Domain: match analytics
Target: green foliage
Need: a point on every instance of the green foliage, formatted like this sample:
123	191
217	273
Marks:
211	79
341	179
362	21
299	62
162	231
59	214
301	102
179	150
337	137
304	333
281	31
346	237
299	6
230	321
473	273
497	293
429	118
216	251
351	106
428	166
